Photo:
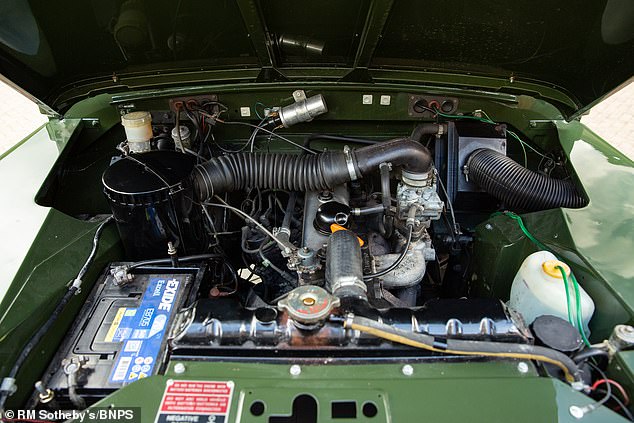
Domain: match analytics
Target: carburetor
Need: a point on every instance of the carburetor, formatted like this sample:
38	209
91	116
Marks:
418	190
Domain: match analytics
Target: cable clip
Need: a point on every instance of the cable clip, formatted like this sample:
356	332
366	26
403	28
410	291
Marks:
8	385
347	323
77	285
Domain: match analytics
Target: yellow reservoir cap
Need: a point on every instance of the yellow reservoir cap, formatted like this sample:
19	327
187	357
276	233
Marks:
550	268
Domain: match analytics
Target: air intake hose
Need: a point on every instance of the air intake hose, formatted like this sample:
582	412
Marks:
518	187
238	171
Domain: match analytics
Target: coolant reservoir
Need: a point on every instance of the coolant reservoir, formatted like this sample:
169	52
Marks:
538	289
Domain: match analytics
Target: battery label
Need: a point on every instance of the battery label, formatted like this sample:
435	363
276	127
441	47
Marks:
120	327
142	330
195	401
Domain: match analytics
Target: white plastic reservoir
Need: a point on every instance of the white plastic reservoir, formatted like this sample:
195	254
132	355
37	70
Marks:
538	289
138	130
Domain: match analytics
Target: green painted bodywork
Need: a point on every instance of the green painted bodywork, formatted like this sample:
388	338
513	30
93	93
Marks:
535	48
596	241
451	392
531	66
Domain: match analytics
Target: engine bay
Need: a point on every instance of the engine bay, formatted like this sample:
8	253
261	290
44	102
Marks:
284	245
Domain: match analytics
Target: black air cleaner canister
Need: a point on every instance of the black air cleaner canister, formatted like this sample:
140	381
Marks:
151	200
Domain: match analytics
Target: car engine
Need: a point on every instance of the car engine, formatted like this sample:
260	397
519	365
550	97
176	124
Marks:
235	249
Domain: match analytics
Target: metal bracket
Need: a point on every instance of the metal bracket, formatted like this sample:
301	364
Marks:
91	122
299	95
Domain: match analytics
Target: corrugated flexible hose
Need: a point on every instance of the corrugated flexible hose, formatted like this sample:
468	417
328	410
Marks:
235	172
518	187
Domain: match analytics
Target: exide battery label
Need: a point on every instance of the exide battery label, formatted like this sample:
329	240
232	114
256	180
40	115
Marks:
142	332
195	401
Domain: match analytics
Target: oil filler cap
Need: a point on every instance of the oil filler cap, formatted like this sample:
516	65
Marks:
331	212
308	304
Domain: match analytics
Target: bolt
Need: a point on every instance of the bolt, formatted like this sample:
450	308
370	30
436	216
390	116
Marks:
179	368
522	367
407	370
576	412
39	387
46	395
295	370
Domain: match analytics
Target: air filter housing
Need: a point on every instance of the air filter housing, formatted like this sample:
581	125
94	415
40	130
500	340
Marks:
151	200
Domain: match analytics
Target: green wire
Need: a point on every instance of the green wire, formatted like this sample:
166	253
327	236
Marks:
520	223
563	275
514	135
575	284
579	319
255	107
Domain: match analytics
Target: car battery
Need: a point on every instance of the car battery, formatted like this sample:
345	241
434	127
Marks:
120	335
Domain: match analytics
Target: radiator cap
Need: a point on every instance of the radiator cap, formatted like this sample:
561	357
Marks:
308	304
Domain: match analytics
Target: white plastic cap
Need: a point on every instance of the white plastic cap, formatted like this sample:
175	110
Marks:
136	119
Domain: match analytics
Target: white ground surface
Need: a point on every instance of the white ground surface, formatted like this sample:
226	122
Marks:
18	117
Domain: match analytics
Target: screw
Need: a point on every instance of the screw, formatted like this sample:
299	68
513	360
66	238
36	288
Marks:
179	368
407	370
576	412
295	370
522	367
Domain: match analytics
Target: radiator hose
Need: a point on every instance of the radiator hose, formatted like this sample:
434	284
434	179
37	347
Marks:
518	187
234	172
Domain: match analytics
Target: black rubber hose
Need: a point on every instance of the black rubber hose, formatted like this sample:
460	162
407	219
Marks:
589	353
396	263
235	172
426	129
405	153
518	187
366	211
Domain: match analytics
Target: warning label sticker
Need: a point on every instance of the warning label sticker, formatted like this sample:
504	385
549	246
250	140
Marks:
195	401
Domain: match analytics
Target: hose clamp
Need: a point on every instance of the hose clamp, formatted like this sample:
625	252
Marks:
347	152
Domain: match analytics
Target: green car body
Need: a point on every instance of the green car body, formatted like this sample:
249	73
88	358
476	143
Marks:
52	180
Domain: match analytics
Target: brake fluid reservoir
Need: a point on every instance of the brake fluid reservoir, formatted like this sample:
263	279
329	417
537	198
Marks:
538	289
138	130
